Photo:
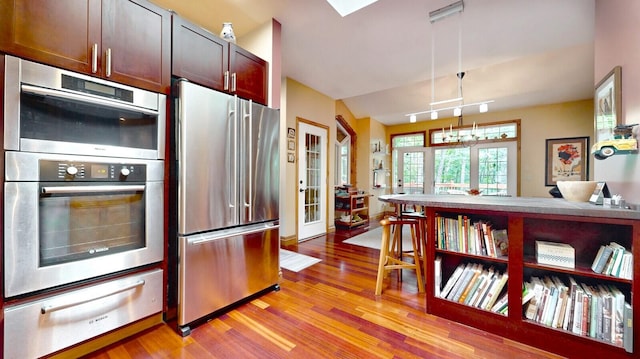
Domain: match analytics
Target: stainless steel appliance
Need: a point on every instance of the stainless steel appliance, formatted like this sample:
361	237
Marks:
50	110
228	199
71	218
83	206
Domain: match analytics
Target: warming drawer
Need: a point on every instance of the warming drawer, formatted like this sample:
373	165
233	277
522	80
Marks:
37	328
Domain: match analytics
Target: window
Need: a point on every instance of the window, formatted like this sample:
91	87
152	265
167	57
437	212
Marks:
483	158
490	168
344	142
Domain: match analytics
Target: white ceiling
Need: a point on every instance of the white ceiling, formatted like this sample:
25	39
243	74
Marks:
378	59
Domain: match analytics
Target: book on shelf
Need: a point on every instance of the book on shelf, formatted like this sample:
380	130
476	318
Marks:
501	303
590	310
437	275
532	307
628	328
614	260
501	240
555	254
601	259
460	234
494	291
607	315
471	284
463	282
452	281
617	314
487	278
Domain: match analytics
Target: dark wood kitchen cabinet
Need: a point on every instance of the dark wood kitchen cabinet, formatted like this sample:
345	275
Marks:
127	41
208	60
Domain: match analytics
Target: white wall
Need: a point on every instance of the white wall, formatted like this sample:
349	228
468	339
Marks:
617	42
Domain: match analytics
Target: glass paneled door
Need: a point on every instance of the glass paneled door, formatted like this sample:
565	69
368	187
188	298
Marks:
412	170
312	181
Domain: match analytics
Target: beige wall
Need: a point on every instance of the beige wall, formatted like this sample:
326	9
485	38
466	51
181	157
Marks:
301	101
617	42
570	119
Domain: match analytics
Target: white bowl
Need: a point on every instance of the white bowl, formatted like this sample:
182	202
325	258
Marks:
576	191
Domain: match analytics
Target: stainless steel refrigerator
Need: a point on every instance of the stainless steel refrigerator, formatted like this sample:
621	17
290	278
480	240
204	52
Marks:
228	198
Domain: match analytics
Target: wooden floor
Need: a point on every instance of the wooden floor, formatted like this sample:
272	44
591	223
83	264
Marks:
328	310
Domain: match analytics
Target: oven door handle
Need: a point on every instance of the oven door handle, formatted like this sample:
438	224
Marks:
91	189
72	303
86	98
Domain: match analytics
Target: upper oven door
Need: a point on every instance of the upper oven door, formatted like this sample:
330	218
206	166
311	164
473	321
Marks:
49	110
61	232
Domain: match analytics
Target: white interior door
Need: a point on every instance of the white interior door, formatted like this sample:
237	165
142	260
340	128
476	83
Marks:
414	175
312	181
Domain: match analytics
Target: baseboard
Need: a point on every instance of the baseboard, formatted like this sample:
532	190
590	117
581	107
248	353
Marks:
289	240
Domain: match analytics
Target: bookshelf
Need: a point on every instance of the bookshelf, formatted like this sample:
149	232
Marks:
353	205
584	227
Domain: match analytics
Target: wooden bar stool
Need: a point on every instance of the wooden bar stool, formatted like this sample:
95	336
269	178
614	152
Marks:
391	255
418	215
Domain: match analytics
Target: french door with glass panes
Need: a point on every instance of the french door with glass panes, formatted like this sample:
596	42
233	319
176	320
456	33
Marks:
312	180
414	164
490	168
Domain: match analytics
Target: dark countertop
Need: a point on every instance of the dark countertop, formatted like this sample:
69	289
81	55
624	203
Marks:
536	205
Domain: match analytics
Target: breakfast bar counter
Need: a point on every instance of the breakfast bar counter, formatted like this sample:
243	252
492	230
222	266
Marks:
530	205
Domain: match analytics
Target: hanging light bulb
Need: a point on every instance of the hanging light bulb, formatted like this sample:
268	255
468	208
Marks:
484	107
457	111
412	118
434	115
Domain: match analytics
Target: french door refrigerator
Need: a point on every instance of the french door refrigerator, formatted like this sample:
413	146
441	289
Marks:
228	198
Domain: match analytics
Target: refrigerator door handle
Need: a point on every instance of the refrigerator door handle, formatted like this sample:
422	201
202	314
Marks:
247	136
232	135
227	234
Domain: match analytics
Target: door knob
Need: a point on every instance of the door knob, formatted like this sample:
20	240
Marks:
302	189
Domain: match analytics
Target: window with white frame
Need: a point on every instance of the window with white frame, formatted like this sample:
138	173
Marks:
343	152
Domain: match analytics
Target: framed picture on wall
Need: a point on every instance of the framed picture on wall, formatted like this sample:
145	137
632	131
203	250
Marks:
567	159
291	146
607	105
291	158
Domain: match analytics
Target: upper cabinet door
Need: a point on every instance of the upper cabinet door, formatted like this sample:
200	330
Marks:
251	74
136	44
199	55
127	41
208	60
61	33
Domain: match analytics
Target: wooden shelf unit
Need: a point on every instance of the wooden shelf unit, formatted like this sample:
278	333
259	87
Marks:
585	233
352	204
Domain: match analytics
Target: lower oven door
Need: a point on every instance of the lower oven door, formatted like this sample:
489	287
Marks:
60	233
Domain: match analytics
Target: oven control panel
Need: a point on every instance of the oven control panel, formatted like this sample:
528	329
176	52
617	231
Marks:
91	171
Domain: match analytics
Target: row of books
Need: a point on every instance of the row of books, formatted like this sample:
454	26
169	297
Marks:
478	238
473	285
614	260
596	311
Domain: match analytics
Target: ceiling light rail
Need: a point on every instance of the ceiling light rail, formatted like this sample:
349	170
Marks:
448	10
434	16
481	105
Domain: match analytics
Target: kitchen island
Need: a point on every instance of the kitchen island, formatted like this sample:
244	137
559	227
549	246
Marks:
583	227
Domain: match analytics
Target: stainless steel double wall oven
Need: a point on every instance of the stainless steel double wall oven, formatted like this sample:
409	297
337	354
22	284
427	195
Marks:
83	206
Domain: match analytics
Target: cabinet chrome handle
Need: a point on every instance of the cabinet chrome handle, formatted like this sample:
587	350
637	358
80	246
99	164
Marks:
77	301
108	70
233	82
94	58
226	80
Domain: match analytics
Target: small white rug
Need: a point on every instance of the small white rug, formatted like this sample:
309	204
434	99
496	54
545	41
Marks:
296	262
373	238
